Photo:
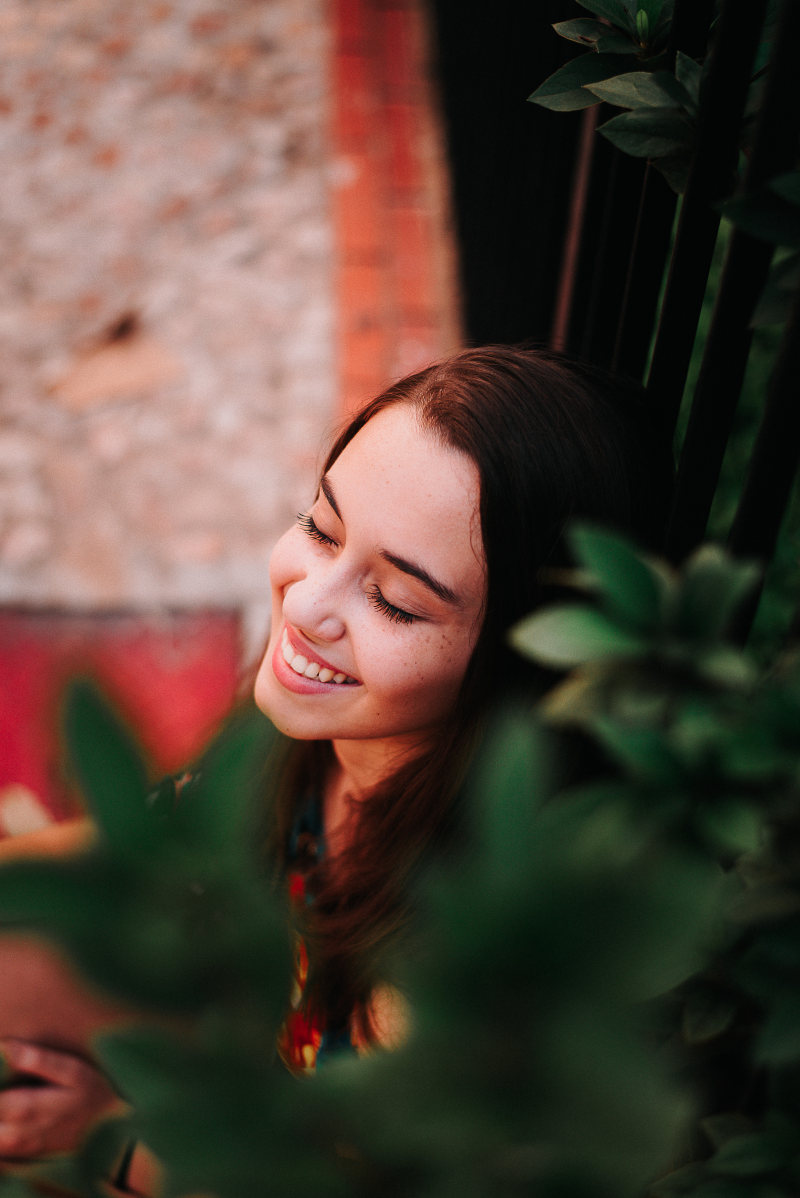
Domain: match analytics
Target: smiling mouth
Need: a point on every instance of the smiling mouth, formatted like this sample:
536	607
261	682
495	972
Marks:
312	669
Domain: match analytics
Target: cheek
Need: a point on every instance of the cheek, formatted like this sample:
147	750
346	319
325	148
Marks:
432	675
456	655
454	666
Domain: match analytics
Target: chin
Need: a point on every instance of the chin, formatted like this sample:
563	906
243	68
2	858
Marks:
271	698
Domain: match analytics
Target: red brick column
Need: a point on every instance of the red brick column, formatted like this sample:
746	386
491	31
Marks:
395	278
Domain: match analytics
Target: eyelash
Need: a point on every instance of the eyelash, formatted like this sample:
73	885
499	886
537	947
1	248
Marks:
396	614
309	527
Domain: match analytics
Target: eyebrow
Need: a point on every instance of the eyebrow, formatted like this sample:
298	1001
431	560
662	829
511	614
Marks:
327	490
413	569
439	589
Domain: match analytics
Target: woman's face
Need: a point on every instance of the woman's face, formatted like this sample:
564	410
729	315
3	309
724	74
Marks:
377	592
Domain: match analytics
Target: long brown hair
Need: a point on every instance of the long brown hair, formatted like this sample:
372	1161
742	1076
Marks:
552	440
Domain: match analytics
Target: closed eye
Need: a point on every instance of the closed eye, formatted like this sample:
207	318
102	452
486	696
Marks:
381	604
397	615
309	527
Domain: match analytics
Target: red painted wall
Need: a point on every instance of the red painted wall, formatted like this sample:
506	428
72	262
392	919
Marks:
173	676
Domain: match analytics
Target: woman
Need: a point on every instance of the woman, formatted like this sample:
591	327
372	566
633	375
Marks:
441	508
438	522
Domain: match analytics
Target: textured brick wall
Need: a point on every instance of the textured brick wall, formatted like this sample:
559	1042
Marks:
223	226
396	278
166	303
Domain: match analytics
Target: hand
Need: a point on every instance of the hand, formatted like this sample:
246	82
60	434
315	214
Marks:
51	1101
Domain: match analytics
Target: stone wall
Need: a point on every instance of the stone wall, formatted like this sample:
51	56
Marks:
166	310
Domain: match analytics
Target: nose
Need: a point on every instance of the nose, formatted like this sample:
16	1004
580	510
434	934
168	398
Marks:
312	605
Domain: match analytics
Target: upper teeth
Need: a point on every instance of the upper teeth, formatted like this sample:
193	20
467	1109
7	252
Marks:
310	669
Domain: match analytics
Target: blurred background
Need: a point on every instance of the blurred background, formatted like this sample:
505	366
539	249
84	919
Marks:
225	225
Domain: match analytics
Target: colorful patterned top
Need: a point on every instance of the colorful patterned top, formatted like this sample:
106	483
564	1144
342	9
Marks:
305	1042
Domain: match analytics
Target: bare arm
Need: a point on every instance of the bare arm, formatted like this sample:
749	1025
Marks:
51	1101
53	1091
55	840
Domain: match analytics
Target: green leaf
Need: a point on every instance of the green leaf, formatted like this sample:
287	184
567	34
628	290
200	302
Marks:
689	74
633	589
768	214
726	666
571	635
787	187
753	756
615	11
564	90
643	89
779	1039
220	1119
108	765
713	586
579	696
728	1126
642	752
594	34
223	801
583	30
663	22
651	133
514	775
616	43
58	896
776	298
675	170
706	1015
681	1181
16	1187
687	898
658	17
751	1155
732	826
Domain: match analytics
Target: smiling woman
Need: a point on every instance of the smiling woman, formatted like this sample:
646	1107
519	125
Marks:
438	521
381	587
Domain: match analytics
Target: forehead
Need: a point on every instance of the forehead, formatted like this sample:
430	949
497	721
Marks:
412	494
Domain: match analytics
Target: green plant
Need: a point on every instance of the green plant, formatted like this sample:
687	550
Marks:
628	67
771	212
169	912
603	979
782	577
703	751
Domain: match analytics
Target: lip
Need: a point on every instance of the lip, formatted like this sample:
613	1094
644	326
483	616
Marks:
296	682
299	646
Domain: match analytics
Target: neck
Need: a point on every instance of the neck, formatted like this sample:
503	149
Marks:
359	767
364	764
